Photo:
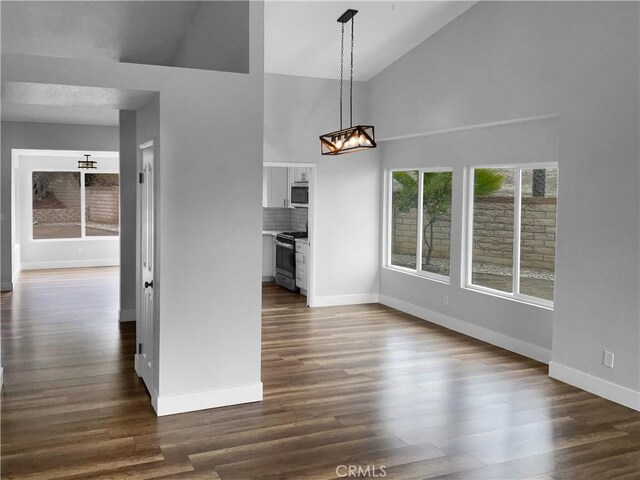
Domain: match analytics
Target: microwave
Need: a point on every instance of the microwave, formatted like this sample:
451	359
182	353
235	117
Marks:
300	194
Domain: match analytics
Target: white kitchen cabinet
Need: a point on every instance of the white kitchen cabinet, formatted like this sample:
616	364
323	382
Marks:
302	270
299	174
275	187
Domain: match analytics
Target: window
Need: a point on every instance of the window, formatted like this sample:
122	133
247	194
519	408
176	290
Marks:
404	219
56	205
102	204
59	198
421	229
512	231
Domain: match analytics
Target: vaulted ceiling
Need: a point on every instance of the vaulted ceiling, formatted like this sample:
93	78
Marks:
125	31
301	38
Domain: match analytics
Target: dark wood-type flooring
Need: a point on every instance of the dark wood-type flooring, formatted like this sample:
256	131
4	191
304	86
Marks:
361	385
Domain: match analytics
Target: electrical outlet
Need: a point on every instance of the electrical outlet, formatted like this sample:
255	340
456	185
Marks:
608	359
80	250
445	299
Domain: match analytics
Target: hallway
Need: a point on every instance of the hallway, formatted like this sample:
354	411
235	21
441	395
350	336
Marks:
69	378
363	385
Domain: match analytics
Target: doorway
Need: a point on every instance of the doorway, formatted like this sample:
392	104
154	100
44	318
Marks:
63	216
289	206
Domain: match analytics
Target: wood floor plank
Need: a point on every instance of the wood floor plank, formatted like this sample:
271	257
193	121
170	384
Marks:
375	460
435	467
573	457
361	385
500	471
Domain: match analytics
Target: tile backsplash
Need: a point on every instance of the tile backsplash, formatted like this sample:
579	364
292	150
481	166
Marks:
299	219
276	218
285	219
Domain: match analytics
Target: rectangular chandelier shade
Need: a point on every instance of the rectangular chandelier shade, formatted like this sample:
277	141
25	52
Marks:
348	140
87	164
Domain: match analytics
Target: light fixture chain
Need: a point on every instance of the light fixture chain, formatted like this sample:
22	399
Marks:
351	79
341	71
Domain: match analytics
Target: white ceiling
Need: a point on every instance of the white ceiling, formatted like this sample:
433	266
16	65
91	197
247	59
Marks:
73	95
59	114
42	102
129	31
303	38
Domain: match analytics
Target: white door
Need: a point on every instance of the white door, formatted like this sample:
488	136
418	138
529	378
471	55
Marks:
145	360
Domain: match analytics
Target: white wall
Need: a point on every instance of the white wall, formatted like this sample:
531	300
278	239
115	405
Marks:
44	136
209	149
128	211
60	253
216	24
528	328
507	60
297	111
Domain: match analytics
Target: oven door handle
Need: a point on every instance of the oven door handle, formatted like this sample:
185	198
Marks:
284	245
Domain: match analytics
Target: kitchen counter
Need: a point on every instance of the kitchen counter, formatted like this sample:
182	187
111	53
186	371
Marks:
273	233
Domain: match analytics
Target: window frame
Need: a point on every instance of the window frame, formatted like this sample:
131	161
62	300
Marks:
446	279
467	260
83	224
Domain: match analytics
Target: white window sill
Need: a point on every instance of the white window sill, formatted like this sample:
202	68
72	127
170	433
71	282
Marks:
77	239
424	275
545	304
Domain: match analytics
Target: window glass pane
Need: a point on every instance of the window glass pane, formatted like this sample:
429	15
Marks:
56	205
102	204
436	222
404	219
492	237
538	232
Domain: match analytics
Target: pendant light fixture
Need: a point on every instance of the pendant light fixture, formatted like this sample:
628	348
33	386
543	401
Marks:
350	139
86	163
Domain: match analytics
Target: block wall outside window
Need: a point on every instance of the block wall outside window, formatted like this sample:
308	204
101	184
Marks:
513	232
421	229
102	204
57	205
404	212
56	200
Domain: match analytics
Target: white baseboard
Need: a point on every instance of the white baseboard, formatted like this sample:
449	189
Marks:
6	287
152	391
154	400
268	278
16	273
128	315
603	388
108	262
337	300
136	364
206	399
500	340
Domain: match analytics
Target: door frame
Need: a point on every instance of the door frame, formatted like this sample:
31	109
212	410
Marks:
312	222
154	387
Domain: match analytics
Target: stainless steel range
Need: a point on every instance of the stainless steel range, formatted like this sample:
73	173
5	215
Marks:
286	259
